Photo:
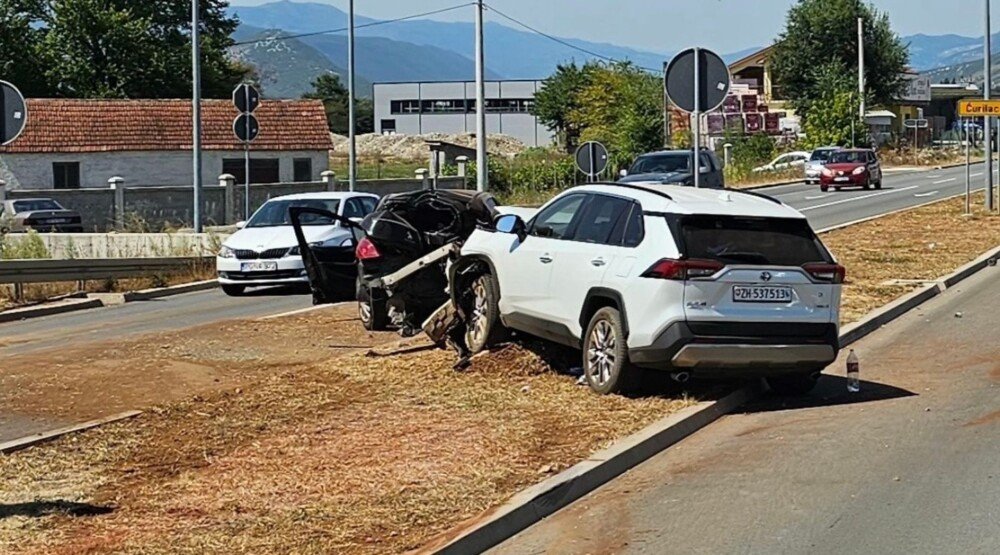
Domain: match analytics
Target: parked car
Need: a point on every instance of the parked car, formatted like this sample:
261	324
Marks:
674	167
264	250
694	282
785	161
814	167
856	167
39	214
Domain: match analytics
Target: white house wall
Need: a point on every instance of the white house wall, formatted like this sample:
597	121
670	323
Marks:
34	171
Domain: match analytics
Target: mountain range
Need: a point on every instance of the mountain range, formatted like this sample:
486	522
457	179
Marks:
428	50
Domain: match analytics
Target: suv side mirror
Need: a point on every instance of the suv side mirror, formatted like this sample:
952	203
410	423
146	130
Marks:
511	223
623	173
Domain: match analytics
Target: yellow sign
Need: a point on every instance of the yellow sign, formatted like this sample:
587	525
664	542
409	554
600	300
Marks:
977	107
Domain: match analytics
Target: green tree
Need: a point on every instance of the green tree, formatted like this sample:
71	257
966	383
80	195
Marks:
558	98
19	56
334	94
819	33
833	118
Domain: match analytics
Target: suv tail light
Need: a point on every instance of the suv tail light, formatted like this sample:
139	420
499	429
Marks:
669	268
830	273
366	250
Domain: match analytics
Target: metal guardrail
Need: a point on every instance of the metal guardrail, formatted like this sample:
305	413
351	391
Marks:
81	269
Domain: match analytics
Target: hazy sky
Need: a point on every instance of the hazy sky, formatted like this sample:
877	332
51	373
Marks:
669	25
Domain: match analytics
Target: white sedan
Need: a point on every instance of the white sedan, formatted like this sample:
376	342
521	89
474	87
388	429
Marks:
264	250
784	162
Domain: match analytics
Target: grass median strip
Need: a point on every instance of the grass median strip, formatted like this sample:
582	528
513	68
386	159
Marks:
367	451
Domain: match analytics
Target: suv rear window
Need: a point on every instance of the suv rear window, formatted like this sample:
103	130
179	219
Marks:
743	240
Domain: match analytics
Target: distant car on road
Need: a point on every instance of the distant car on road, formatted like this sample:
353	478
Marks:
856	167
264	250
673	167
39	214
814	167
785	161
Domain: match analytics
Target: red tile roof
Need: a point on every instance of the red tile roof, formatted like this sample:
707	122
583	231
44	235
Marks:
71	125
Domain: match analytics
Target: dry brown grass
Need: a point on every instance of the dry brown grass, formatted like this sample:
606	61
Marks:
920	244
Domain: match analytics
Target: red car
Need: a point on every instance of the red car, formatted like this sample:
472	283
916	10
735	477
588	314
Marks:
856	167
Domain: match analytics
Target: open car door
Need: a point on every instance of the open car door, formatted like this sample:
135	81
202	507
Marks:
333	268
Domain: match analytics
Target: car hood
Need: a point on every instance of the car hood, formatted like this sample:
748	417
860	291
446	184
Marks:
282	237
45	214
659	177
844	166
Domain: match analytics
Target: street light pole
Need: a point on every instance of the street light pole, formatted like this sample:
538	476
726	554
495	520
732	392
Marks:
988	121
352	163
482	168
196	116
861	67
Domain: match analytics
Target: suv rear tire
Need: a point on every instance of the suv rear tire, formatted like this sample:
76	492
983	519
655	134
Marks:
793	385
484	329
605	354
374	314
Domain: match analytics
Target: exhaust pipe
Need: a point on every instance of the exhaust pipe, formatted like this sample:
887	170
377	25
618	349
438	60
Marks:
680	377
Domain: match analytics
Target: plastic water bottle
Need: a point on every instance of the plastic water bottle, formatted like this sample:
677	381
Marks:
853	369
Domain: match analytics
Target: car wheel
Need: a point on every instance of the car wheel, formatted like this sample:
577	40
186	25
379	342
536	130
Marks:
867	184
824	188
793	384
836	188
878	184
372	310
605	356
233	290
483	328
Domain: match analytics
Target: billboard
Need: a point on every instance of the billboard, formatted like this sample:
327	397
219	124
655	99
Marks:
918	88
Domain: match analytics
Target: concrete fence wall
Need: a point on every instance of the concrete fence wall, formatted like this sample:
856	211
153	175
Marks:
157	208
130	245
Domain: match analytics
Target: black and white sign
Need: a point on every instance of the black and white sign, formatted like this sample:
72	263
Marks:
592	158
915	123
246	98
15	112
712	80
246	128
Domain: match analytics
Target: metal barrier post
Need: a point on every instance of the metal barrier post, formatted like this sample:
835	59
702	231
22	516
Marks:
228	182
422	176
117	185
331	180
462	161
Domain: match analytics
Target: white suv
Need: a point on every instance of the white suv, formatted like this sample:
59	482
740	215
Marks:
691	281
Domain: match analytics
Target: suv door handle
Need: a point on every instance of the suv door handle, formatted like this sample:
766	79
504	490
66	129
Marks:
598	261
545	259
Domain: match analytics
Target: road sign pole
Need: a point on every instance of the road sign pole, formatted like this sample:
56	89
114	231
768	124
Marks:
695	166
196	116
988	121
593	162
968	177
482	166
352	165
246	164
916	137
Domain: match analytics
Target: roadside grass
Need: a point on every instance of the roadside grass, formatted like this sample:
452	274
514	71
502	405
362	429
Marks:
924	243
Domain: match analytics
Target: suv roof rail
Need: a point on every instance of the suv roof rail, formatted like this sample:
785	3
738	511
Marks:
635	188
756	194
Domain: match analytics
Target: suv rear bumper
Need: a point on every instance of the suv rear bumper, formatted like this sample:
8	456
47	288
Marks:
744	346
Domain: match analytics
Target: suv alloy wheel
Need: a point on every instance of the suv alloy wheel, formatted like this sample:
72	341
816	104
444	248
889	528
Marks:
605	356
484	328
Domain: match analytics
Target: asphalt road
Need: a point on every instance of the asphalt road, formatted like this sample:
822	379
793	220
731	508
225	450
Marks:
911	464
900	190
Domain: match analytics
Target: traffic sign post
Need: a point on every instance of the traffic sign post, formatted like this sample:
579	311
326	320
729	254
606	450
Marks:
15	112
591	159
246	98
697	80
916	125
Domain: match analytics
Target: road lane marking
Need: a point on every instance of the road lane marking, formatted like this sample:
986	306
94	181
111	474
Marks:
933	175
816	197
975	174
945	181
303	310
852	199
925	194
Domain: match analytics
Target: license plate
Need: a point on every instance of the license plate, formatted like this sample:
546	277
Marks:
58	221
258	266
761	294
841	179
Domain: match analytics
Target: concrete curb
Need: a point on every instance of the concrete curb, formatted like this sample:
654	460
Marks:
537	502
155	293
41	437
17	314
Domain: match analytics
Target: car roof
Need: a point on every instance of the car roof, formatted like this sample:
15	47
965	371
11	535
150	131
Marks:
31	199
832	147
678	199
324	195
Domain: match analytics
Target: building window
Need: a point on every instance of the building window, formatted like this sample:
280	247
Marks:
454	106
387	126
460	106
404	107
66	175
262	170
302	169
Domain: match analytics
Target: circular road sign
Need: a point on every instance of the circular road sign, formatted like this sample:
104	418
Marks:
591	158
713	82
246	98
15	112
245	127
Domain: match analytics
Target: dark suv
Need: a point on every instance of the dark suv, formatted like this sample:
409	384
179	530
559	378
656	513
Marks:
673	167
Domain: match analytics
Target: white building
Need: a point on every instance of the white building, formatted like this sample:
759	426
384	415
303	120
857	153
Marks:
73	144
450	107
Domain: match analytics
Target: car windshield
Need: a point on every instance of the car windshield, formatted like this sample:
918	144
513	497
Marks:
275	212
36	204
740	240
848	157
662	163
821	155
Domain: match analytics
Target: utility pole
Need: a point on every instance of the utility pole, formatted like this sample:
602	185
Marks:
861	68
482	169
196	115
352	162
696	118
988	121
